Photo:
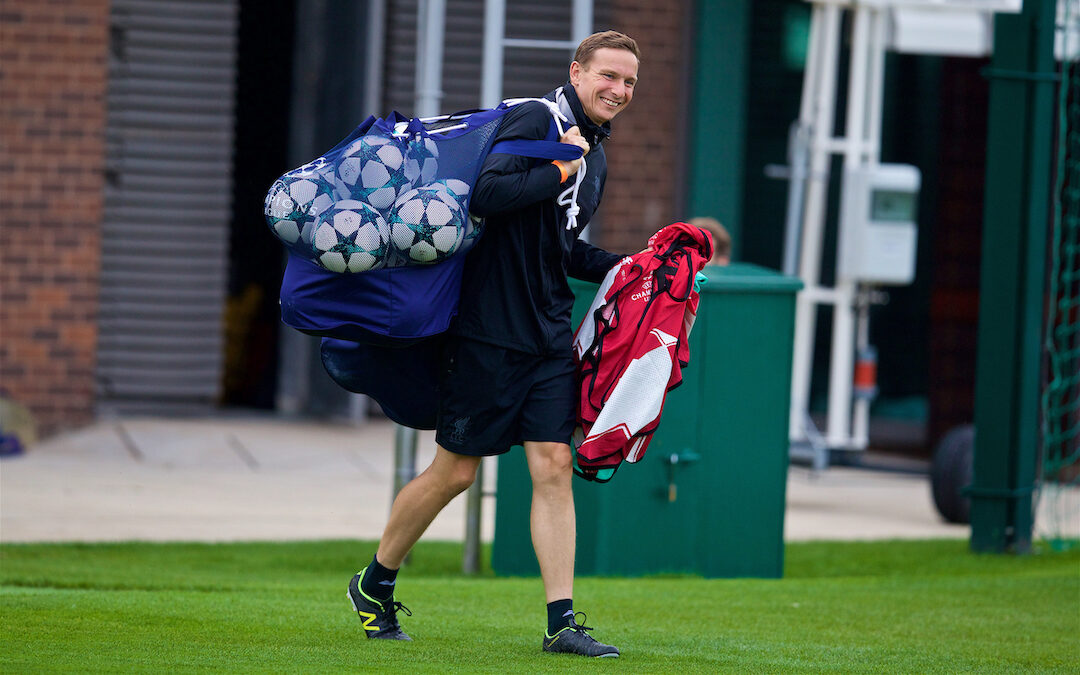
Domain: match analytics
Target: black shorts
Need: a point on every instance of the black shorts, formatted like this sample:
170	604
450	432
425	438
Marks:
491	398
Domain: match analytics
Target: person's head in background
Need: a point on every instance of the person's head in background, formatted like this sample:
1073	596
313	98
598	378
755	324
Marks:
721	239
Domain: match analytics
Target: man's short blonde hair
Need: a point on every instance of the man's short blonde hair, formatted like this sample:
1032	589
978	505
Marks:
608	39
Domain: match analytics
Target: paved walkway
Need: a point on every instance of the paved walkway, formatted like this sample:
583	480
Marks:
250	478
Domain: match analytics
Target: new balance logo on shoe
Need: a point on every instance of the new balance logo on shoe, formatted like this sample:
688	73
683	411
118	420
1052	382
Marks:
368	618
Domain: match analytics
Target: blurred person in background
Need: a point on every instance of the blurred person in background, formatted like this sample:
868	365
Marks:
721	239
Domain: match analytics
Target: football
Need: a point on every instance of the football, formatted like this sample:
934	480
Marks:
294	201
473	229
458	188
421	161
372	170
351	236
474	226
427	224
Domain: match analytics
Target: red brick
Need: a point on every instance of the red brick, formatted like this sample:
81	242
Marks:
641	194
52	79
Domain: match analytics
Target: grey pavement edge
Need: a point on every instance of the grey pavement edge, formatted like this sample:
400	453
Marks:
255	478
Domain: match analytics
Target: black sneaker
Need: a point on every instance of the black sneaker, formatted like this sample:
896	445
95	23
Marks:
380	618
574	640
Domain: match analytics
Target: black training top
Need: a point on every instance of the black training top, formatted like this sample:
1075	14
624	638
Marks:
514	292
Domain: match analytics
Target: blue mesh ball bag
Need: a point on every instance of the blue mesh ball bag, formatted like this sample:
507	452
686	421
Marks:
376	230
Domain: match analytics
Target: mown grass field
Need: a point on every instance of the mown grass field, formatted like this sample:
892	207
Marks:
889	607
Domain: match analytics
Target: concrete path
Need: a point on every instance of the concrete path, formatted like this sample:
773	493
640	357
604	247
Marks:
225	479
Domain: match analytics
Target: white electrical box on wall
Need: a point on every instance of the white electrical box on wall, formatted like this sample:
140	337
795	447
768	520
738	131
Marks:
878	232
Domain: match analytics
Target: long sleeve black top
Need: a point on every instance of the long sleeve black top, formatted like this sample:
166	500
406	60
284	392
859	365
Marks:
514	290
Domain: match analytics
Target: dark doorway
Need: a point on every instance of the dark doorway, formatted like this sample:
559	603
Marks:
263	95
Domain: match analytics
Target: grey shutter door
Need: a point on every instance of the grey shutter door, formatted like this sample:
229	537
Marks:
526	72
167	202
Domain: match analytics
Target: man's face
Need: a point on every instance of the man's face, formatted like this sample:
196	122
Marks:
606	85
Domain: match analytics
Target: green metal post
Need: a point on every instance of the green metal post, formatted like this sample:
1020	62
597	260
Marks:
718	113
1012	286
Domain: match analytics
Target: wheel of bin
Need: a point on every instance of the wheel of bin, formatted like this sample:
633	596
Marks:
951	473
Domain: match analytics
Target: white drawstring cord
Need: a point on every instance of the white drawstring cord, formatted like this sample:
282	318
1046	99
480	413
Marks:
552	107
568	198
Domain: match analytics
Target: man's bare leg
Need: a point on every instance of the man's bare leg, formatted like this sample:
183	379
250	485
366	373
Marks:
371	591
421	500
554	534
554	529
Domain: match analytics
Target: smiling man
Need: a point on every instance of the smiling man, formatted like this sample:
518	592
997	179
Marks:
604	82
508	375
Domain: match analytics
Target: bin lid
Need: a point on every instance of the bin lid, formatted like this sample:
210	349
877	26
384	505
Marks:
741	277
734	278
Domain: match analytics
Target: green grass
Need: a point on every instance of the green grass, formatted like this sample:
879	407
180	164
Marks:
890	607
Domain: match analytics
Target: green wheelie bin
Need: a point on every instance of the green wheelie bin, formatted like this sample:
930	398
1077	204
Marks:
708	496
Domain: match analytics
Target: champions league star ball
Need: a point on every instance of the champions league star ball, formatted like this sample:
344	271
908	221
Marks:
294	201
459	189
372	170
473	229
351	236
421	161
427	224
474	226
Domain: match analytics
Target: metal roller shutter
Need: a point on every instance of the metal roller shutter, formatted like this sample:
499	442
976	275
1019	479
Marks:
166	231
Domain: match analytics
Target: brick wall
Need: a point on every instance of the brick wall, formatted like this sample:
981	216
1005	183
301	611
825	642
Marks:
644	154
52	84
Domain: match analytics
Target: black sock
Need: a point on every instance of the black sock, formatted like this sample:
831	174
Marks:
559	614
378	581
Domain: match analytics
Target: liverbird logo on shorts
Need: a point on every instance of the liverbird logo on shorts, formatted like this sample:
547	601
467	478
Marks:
460	427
